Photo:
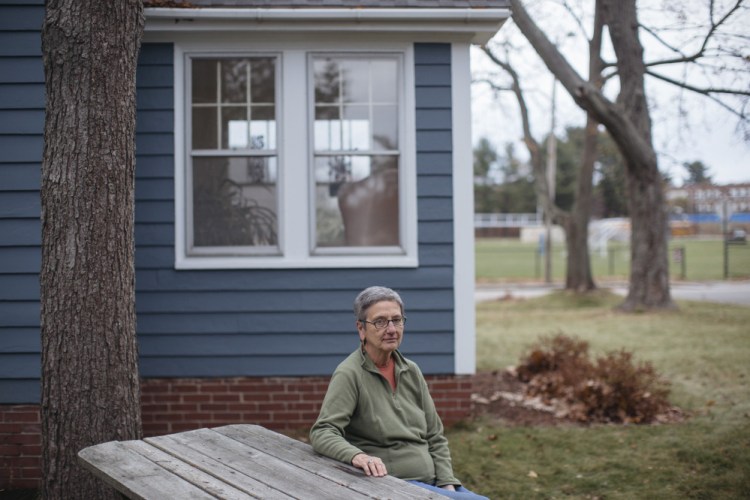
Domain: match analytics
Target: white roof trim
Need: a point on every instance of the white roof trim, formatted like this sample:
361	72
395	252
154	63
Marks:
479	24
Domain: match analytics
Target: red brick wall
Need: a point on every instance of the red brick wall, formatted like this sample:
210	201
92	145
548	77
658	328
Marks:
20	446
175	405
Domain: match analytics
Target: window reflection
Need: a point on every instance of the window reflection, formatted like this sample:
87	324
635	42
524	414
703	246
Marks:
356	167
234	202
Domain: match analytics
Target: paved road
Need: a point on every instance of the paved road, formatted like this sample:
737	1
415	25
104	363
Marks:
731	292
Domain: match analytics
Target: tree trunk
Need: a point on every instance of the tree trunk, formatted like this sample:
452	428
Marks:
649	264
90	387
628	123
578	276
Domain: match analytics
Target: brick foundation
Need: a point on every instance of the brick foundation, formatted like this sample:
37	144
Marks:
20	446
175	405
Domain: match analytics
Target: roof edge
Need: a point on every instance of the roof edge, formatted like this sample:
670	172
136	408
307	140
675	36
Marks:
481	24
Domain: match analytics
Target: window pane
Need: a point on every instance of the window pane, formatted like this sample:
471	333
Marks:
356	128
234	103
263	127
327	131
357	201
204	81
235	202
355	81
234	129
385	128
204	128
327	81
234	80
384	81
263	80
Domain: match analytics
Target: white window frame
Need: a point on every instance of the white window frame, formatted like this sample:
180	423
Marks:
294	183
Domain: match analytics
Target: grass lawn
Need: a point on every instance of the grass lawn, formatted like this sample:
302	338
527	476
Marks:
503	259
703	349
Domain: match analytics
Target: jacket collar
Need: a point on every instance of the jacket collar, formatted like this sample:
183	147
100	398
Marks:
369	365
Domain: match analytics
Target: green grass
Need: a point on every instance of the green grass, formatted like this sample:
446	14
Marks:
510	260
703	349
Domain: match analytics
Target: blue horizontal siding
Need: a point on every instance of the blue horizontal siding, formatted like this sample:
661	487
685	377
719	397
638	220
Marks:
427	320
22	17
22	69
18	96
435	186
21	129
20	204
159	120
434	255
17	122
279	344
20	43
215	322
158	235
280	302
21	148
286	279
155	166
433	74
19	259
206	366
433	119
19	366
154	211
434	163
21	340
19	314
20	232
15	391
434	141
20	176
429	97
435	209
19	286
155	189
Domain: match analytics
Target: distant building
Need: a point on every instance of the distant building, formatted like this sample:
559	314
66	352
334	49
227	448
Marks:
709	199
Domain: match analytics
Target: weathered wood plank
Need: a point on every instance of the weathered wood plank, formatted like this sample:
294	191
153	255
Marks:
136	476
217	466
202	480
302	455
295	481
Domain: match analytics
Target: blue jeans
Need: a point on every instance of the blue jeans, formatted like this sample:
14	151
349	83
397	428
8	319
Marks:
461	493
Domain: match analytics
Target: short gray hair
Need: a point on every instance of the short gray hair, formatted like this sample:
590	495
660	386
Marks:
373	295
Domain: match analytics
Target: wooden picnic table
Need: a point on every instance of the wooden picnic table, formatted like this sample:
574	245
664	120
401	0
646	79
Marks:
234	462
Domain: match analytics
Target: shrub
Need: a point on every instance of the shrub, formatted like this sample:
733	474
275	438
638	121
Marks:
612	388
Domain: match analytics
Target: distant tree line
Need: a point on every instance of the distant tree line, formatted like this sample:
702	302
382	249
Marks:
505	184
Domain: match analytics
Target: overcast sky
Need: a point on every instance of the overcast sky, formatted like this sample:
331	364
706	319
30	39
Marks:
706	133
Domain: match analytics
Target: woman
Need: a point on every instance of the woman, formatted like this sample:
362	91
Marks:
378	414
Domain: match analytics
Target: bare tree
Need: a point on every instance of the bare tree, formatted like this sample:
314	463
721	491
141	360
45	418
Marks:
578	276
628	121
90	386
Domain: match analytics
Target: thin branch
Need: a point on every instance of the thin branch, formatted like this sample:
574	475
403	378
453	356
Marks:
701	51
707	91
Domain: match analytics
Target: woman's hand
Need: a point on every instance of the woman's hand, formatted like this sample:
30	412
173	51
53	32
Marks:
449	487
372	466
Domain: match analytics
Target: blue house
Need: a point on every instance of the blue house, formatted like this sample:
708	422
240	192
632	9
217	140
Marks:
289	154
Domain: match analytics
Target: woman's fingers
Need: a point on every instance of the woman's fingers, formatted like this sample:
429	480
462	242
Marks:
372	466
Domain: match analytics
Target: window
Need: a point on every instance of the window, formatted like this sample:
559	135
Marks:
233	162
295	157
356	152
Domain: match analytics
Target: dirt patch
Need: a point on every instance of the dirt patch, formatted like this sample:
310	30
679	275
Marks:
500	395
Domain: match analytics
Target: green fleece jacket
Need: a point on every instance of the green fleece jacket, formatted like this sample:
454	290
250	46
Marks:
361	414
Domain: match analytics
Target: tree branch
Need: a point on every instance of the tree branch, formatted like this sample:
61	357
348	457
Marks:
714	26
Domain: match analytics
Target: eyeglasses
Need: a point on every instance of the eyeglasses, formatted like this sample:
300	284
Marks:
382	323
